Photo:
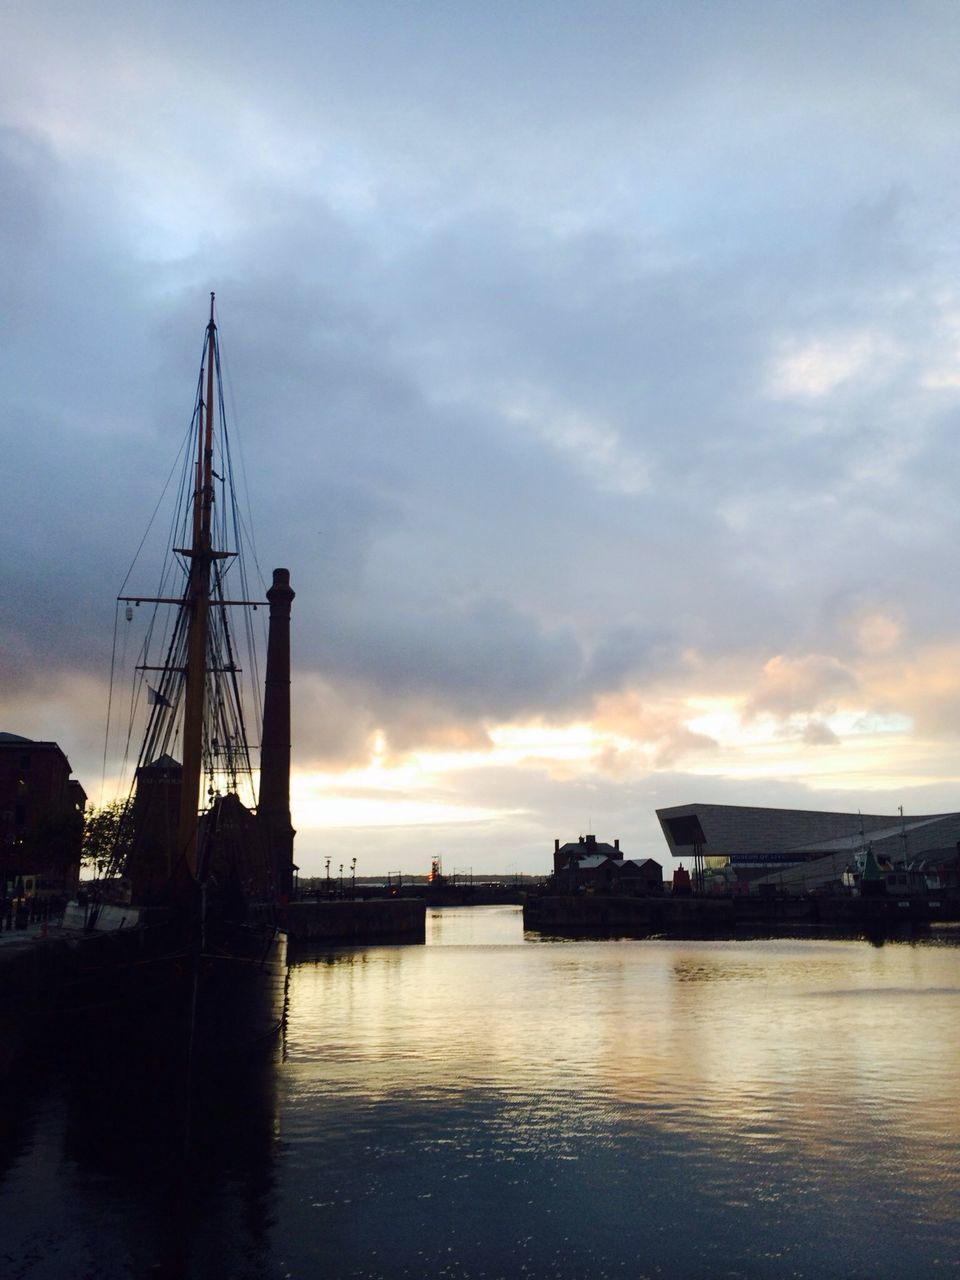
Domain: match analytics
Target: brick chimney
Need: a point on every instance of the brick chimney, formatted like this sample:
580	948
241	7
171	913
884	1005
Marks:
273	809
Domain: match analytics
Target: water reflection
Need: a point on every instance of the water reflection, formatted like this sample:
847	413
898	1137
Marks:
494	1106
685	1109
115	1163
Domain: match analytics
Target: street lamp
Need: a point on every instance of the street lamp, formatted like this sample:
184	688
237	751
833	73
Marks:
353	877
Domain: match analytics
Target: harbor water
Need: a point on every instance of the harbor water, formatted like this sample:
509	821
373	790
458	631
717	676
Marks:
499	1105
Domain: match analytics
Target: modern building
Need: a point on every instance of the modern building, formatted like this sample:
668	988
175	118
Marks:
795	848
41	820
592	864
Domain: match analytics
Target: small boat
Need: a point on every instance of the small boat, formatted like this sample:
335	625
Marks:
185	922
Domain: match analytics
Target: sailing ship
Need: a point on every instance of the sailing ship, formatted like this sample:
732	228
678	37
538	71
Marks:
204	864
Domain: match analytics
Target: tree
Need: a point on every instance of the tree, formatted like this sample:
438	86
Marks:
106	837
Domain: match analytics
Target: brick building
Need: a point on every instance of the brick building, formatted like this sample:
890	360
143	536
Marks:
592	864
41	820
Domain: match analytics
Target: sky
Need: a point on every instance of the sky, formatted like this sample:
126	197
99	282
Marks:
596	373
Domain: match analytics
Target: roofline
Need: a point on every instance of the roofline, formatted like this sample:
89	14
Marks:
32	744
760	808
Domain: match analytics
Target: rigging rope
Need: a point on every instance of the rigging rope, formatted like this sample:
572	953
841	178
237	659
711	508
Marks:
225	748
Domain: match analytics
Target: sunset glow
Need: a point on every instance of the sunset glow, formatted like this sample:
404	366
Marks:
606	423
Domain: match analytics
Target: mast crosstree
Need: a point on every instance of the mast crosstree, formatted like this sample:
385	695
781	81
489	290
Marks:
197	705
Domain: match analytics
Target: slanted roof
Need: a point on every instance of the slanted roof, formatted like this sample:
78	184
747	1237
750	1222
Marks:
581	849
744	832
16	742
163	762
593	860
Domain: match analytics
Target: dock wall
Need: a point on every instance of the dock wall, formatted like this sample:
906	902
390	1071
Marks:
354	921
595	915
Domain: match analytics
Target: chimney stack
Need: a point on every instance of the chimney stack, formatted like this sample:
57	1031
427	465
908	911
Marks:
273	809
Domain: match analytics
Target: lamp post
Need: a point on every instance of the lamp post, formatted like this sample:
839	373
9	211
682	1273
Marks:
341	880
353	877
328	877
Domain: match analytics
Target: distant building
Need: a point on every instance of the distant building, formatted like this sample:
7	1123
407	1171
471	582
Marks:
804	849
41	820
591	864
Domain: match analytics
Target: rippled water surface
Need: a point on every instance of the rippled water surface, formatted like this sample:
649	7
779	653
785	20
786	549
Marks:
491	1105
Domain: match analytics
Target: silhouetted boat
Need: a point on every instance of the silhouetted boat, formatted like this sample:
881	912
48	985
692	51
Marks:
183	925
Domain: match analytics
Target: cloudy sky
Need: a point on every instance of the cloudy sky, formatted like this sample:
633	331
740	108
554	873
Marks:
596	369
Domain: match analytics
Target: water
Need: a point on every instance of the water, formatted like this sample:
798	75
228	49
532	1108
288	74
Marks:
495	1106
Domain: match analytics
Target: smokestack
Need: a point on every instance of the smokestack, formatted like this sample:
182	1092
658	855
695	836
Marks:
273	810
556	846
616	844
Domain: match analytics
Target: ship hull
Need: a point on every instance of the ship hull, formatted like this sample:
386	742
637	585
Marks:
241	988
214	996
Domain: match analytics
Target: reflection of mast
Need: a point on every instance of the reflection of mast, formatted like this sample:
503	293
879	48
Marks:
197	604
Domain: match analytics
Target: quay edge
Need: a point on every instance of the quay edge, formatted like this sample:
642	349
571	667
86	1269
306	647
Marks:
356	921
598	916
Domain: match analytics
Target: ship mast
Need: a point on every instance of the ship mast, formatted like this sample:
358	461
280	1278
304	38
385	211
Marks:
197	604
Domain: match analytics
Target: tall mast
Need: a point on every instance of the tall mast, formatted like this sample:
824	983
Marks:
197	604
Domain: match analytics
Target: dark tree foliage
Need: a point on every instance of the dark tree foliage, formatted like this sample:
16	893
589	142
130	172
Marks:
106	837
